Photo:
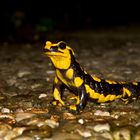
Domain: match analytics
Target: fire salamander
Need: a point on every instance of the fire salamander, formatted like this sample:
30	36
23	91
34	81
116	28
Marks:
70	75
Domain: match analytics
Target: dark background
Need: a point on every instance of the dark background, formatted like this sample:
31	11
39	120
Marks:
31	20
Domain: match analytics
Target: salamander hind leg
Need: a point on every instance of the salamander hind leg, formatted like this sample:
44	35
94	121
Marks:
130	93
81	101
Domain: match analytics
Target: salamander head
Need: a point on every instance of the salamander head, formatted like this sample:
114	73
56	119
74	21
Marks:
59	53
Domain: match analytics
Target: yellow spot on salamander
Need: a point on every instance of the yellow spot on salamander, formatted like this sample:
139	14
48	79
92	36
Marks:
101	98
56	80
91	92
87	88
107	98
57	96
126	92
122	82
78	81
111	82
135	83
73	107
112	97
118	96
60	76
85	72
96	78
69	73
96	95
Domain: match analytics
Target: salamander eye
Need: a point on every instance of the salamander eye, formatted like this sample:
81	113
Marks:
62	45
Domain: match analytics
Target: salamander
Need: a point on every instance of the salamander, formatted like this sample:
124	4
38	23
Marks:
70	75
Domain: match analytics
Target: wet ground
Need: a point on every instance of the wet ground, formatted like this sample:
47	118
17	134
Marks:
26	77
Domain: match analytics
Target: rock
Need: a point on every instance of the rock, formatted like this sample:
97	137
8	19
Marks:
101	127
122	134
42	95
4	129
81	121
5	110
69	116
52	123
85	134
14	133
23	73
101	113
34	86
21	116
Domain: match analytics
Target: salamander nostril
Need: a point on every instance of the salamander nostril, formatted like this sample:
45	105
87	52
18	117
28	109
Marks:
54	48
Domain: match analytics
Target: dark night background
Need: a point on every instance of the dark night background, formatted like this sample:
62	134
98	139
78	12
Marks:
25	19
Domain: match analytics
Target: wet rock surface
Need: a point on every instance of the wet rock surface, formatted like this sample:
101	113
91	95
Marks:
26	77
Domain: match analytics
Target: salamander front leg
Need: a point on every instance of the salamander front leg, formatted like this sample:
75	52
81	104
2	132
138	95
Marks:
57	92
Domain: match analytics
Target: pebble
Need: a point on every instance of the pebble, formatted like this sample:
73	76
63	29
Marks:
81	121
69	116
101	127
122	134
50	72
6	116
39	133
12	81
42	95
4	128
23	73
52	123
14	133
21	116
35	86
107	135
101	113
84	134
5	110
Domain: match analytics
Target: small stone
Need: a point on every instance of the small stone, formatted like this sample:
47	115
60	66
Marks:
5	110
8	119
101	127
122	134
107	135
14	133
47	79
22	116
19	110
50	72
101	113
12	81
69	116
42	95
52	123
55	118
23	73
81	121
35	86
4	128
85	134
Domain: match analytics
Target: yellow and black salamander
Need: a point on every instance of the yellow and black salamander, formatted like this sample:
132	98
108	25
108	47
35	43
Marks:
70	75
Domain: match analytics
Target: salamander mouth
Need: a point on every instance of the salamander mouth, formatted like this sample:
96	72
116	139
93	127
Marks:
53	52
46	50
